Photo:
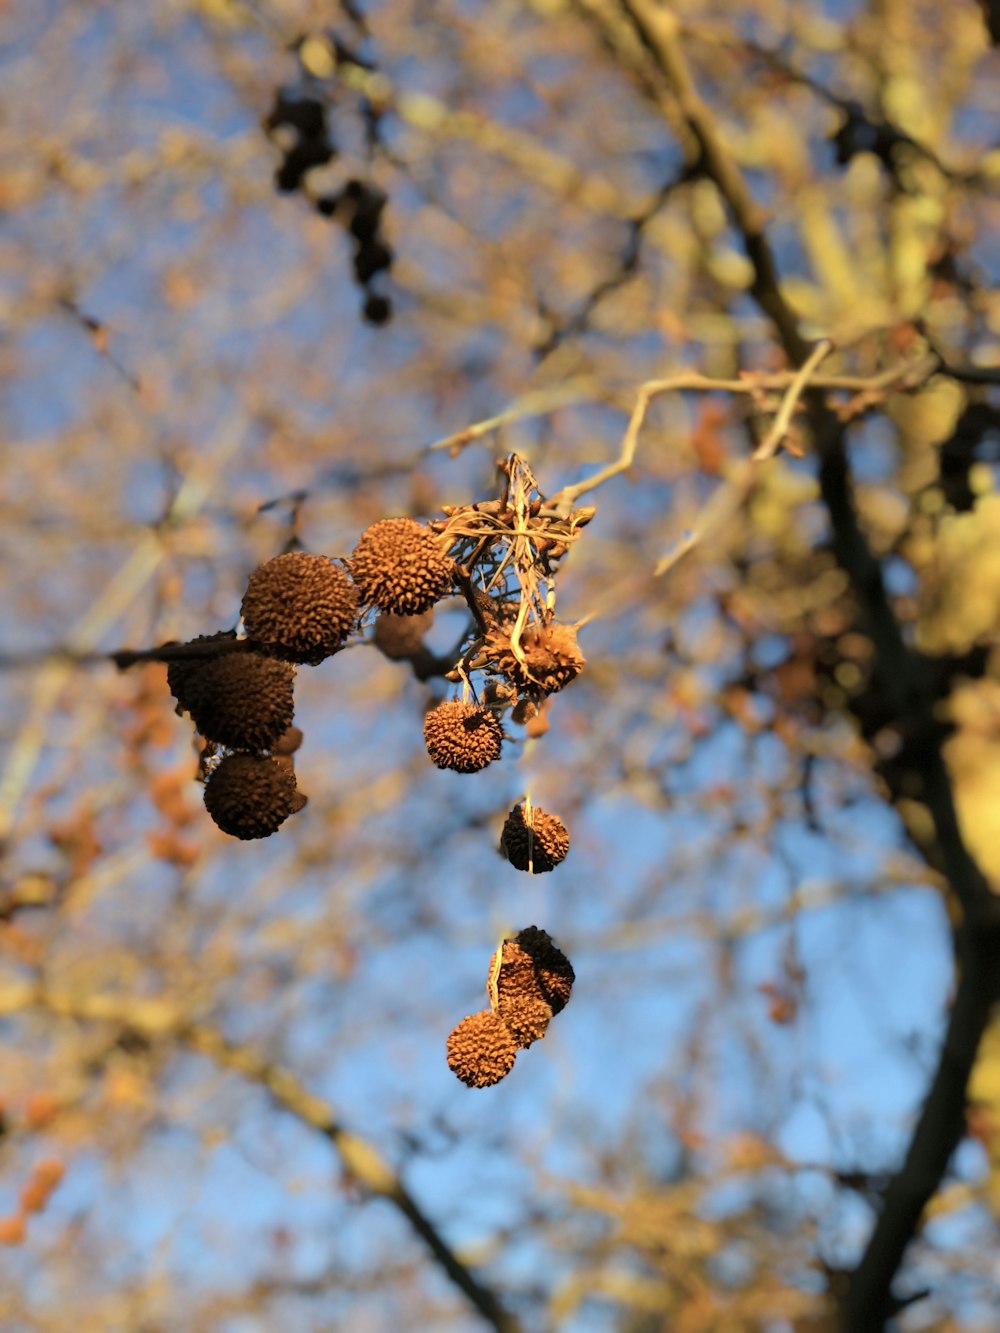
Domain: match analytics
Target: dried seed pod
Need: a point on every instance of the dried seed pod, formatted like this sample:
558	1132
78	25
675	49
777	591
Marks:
399	637
461	736
480	1050
526	1017
251	796
242	701
553	970
303	605
552	658
182	672
533	840
399	566
518	993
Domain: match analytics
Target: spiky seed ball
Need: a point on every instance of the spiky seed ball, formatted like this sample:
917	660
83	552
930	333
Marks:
242	701
399	566
304	605
251	796
480	1050
517	993
399	637
526	1018
552	658
541	846
461	736
553	970
182	672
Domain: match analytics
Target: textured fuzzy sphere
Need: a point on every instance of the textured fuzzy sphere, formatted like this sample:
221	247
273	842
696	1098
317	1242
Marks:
305	605
243	701
552	658
182	674
399	637
398	566
543	846
553	971
526	1017
520	996
251	796
461	736
480	1050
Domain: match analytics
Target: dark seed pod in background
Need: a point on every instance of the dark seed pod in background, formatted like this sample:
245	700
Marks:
462	737
303	606
377	309
251	796
243	701
399	637
553	970
184	671
480	1050
398	565
532	839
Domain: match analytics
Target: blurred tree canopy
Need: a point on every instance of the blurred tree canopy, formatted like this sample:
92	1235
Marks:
271	270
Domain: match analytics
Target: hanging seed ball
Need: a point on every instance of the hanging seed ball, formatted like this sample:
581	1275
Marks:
399	566
480	1050
181	673
553	970
242	701
251	796
552	658
304	605
526	1018
399	637
543	845
519	997
461	736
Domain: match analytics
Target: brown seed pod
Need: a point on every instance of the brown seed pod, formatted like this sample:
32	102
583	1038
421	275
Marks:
398	565
480	1050
534	840
552	658
182	672
303	606
399	637
242	701
461	736
519	993
251	796
526	1017
553	970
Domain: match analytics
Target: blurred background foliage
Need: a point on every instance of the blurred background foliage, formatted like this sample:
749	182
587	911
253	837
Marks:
217	1057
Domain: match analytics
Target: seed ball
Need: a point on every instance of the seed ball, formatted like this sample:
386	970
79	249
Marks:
461	736
552	658
304	605
399	566
518	993
553	970
538	845
400	637
480	1050
242	701
251	796
526	1017
182	672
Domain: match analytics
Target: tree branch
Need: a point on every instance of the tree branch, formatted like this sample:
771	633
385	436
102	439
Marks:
159	1020
941	1124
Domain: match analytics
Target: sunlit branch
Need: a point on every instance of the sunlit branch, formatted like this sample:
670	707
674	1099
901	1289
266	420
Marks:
160	1020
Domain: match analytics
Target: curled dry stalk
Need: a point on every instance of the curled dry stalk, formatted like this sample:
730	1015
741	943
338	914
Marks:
506	551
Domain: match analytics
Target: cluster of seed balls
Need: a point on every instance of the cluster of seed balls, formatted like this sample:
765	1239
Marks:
298	609
530	980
